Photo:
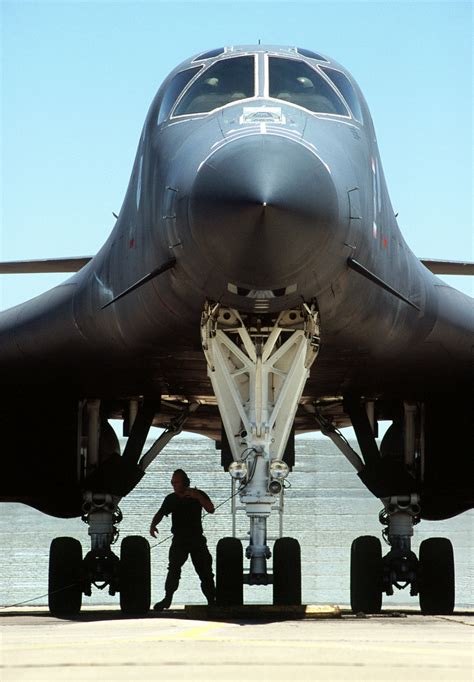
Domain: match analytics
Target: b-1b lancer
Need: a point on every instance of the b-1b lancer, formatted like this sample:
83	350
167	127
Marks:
255	286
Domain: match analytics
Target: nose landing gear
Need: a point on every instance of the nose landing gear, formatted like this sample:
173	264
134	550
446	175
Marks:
258	367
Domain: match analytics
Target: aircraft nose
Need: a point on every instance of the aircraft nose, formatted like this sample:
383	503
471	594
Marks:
262	209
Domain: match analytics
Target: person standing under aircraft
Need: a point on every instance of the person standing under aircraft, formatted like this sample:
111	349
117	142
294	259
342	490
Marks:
185	505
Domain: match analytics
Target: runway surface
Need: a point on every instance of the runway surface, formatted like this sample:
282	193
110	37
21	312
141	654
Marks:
101	644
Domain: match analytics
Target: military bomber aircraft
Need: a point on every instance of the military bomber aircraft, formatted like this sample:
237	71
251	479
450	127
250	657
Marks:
255	286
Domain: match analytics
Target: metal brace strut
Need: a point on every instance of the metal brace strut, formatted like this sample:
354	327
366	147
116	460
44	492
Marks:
173	429
336	436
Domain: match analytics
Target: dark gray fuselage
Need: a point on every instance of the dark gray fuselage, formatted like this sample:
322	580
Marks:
261	204
265	204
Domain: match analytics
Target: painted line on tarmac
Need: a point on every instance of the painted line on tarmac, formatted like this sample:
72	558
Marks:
191	633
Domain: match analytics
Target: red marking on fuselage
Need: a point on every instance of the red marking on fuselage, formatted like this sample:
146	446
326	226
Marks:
131	244
385	242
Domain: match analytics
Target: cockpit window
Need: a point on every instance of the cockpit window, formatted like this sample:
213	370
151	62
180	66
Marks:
209	54
344	86
226	81
174	89
310	54
296	82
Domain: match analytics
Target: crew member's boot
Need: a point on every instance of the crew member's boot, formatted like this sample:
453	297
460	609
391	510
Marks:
209	592
164	603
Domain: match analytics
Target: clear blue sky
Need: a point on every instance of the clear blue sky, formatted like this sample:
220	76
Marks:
78	77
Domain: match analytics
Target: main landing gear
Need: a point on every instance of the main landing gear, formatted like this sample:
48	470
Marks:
71	575
258	367
399	464
431	576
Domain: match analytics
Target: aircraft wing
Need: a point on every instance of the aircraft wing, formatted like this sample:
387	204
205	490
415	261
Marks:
437	267
448	267
44	265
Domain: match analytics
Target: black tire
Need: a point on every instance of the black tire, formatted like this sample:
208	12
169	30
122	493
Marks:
65	577
135	578
286	572
366	575
229	572
436	577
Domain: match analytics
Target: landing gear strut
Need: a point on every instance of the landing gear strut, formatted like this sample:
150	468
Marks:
101	566
400	564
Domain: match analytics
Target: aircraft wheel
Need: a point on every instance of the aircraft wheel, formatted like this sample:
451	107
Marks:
65	577
366	575
229	572
134	572
286	572
436	580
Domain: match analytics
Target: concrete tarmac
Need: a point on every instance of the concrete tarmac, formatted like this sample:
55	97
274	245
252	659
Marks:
101	644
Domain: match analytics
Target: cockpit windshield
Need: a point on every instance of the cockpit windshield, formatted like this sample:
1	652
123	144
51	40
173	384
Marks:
226	81
174	89
344	86
296	82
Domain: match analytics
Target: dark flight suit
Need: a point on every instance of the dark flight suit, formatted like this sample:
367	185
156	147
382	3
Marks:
187	540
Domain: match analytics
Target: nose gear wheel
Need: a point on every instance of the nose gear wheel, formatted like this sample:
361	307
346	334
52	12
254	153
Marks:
286	572
229	572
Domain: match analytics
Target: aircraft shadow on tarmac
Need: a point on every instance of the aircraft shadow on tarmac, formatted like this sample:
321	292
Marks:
210	614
